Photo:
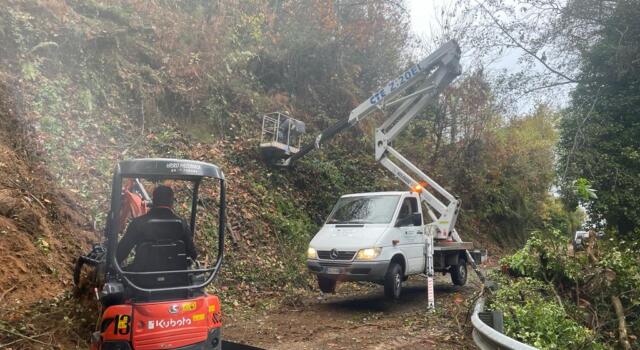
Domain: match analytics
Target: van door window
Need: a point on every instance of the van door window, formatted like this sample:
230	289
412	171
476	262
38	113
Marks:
409	206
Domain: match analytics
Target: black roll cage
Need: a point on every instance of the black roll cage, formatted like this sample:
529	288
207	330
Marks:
164	169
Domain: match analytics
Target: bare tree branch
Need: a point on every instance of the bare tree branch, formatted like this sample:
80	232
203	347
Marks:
548	86
506	32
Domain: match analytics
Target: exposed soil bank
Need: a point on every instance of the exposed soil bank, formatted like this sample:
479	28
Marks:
41	232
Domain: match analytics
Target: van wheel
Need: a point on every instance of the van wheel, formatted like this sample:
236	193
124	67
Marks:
459	273
393	281
326	285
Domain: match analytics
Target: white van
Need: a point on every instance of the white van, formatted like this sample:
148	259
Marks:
380	237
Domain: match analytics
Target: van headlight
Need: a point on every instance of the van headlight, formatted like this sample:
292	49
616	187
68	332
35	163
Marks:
312	253
368	254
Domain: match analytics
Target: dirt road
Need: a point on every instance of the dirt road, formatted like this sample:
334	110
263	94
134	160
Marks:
359	317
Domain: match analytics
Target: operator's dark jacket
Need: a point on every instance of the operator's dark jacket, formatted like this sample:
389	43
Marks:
138	232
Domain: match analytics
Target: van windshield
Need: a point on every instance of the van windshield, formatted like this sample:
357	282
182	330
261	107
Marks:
364	210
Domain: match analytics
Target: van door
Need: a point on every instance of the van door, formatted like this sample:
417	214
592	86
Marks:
411	237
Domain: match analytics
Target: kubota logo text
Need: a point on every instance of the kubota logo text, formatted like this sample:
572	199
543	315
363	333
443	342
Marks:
170	323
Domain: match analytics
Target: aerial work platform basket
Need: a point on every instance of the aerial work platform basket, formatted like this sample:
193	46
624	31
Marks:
281	136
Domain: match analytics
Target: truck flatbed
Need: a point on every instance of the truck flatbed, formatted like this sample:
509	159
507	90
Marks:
443	249
451	245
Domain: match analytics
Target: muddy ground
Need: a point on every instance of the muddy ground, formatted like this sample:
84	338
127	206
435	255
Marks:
359	317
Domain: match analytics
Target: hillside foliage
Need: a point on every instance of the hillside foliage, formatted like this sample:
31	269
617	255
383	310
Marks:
107	81
557	297
102	81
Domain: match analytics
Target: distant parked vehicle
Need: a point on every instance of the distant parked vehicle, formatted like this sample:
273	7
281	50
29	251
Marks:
579	239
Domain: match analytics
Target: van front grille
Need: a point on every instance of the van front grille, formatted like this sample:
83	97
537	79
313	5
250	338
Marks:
339	255
334	264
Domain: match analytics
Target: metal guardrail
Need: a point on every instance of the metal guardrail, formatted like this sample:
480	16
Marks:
487	338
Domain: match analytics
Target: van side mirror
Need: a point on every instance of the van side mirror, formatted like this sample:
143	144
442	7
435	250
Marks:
416	219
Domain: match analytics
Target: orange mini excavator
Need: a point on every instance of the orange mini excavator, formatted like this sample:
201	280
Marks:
163	304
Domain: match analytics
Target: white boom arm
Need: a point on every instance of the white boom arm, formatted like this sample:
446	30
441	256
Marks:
428	79
409	94
413	90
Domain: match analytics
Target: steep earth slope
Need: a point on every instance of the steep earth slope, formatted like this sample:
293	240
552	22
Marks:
100	82
41	233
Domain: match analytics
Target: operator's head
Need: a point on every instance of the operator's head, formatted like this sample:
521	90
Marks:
163	196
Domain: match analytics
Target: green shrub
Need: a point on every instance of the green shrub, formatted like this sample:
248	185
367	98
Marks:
534	317
545	256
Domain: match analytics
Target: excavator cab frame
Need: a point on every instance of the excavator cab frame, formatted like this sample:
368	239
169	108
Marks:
140	317
158	169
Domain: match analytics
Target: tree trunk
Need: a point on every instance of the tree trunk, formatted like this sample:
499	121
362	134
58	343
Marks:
622	326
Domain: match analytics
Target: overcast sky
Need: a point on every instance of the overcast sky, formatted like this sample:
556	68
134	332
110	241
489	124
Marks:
423	14
424	20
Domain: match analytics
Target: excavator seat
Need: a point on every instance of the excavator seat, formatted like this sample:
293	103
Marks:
156	257
161	253
162	256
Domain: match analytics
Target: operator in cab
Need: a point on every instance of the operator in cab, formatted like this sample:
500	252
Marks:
142	230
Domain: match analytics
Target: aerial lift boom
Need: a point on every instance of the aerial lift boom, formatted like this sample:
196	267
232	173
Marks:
402	99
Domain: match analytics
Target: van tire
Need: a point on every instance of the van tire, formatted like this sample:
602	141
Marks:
459	273
393	281
326	285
